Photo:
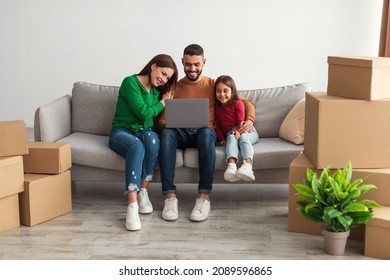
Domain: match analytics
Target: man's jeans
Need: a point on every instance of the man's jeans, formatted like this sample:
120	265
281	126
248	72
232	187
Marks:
140	151
202	138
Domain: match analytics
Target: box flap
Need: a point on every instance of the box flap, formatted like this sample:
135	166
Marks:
360	61
381	217
13	138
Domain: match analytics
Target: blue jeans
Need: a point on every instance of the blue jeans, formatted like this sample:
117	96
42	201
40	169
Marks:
140	151
204	139
244	144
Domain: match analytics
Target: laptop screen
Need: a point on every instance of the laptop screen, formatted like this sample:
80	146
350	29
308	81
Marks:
187	112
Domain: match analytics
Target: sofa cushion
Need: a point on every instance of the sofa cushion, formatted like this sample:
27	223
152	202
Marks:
93	108
293	126
93	150
269	153
273	104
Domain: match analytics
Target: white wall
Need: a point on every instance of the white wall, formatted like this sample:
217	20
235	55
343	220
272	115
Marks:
47	45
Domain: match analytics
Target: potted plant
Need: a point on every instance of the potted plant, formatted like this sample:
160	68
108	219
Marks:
332	200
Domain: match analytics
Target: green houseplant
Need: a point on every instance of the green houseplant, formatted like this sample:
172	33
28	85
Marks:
332	200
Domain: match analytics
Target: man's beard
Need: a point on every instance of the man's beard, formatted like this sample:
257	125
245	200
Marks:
196	77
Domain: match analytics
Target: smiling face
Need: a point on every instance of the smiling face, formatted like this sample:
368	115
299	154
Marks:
193	65
223	93
159	76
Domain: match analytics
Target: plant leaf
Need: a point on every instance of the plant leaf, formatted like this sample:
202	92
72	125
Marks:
312	216
346	221
366	188
356	207
348	172
331	212
360	217
304	190
370	203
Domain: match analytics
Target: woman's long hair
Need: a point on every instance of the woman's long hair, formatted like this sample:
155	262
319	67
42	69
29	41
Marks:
162	60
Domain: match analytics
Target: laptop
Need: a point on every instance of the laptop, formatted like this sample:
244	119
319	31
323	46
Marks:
187	112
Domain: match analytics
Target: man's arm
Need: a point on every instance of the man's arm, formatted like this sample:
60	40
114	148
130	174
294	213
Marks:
247	125
160	122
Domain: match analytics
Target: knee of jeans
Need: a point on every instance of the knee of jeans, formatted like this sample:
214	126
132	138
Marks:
207	133
168	137
152	138
230	137
244	137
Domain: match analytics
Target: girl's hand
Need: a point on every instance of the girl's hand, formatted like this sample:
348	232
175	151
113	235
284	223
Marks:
237	134
221	143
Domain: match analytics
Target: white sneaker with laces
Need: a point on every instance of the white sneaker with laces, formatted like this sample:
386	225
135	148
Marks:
245	172
132	218
230	173
170	211
145	206
201	210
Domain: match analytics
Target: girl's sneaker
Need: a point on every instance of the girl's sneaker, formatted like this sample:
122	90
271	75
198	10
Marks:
245	172
230	173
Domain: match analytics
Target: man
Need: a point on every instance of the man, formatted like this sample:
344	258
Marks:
193	85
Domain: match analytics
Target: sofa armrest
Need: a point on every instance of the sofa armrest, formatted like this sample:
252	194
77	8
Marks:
53	121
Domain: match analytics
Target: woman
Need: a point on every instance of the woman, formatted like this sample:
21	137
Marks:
141	98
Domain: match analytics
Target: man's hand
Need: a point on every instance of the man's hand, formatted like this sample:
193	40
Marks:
246	126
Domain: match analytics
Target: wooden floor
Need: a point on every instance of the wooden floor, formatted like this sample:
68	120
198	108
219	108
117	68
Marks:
247	222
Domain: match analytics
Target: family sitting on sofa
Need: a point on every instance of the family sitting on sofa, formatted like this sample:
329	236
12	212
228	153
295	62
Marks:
140	136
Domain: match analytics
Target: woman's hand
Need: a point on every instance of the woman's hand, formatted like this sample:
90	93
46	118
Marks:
167	95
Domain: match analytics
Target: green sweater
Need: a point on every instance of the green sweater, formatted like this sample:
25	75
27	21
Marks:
136	108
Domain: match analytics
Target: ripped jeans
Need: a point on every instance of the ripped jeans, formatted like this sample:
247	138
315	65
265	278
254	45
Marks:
140	150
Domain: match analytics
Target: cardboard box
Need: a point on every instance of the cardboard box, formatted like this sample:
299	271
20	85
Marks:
297	173
11	175
9	212
377	240
13	138
339	129
47	158
45	197
365	78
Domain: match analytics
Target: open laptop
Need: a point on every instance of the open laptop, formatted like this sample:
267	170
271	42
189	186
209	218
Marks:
187	112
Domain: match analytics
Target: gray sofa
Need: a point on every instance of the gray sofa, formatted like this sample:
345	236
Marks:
84	120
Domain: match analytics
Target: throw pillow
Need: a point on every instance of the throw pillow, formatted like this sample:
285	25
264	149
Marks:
293	126
273	104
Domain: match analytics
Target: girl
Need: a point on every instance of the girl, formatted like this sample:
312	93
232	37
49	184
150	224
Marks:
229	116
141	98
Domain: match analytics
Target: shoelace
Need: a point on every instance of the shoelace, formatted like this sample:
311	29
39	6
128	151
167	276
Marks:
170	203
199	204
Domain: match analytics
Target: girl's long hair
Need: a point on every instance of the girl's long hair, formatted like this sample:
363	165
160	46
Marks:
229	82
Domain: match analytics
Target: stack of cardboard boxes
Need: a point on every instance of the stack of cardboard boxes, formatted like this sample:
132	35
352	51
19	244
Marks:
351	121
13	145
35	184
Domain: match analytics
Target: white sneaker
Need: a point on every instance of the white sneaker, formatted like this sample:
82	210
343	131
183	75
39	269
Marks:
170	211
245	172
145	206
230	173
201	210
132	218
